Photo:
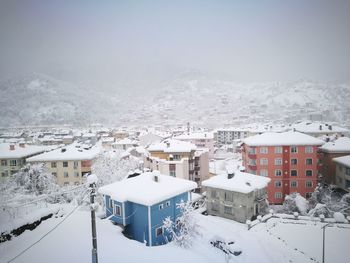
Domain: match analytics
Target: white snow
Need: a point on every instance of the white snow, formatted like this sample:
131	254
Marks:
344	160
19	152
91	179
340	145
71	152
144	189
314	127
241	182
170	145
195	136
282	139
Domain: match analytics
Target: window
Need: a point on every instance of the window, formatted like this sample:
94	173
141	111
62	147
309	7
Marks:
65	174
214	194
293	184
66	183
308	195
117	210
3	162
278	184
308	172
110	203
278	172
263	150
263	173
251	151
294	149
263	161
347	171
172	173
13	162
176	157
161	206
293	173
227	209
278	195
278	161
54	174
215	206
308	161
252	162
309	149
293	161
76	165
167	203
228	196
53	165
65	164
76	174
308	184
278	149
159	231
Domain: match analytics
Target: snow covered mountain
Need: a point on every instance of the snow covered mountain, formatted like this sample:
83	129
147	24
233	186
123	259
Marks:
38	99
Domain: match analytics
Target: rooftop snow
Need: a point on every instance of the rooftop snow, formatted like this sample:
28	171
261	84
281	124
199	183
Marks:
344	160
72	152
171	145
125	141
314	127
19	152
340	145
282	139
241	182
143	189
195	136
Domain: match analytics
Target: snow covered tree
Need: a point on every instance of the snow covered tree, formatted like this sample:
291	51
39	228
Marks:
112	166
185	229
295	203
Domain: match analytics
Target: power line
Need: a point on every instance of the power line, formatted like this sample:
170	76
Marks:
29	247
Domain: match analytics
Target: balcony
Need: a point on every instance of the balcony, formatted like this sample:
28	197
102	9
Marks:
252	155
252	167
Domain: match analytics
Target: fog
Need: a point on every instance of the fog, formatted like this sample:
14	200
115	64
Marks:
144	42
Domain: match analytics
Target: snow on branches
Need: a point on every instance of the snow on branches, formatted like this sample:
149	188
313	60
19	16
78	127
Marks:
185	228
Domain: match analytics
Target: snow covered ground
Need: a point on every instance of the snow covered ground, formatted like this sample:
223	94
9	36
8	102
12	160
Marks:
278	240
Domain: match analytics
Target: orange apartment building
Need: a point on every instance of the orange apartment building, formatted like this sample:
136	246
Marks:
290	159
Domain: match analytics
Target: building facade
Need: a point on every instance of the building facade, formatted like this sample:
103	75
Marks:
290	159
342	172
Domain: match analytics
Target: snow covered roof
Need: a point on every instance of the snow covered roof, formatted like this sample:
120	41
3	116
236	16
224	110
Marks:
72	152
317	127
19	152
282	139
340	145
241	182
344	160
125	141
195	136
171	145
143	189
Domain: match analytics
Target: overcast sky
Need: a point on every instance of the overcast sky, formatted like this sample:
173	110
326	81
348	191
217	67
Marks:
126	40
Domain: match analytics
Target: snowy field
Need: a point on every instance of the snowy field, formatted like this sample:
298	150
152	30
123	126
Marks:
278	240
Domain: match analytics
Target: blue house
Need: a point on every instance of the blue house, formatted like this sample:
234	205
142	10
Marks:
141	203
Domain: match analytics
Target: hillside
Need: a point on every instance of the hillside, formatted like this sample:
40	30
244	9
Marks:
38	99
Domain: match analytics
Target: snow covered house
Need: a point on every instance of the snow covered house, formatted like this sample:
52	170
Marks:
318	129
69	163
13	156
343	172
236	195
179	159
124	144
290	159
329	151
140	204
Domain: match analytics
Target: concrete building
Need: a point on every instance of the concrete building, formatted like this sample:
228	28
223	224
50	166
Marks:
13	157
68	164
179	159
229	135
236	195
200	139
342	172
290	159
329	151
124	144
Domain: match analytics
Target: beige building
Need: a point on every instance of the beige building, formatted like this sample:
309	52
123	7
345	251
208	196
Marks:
68	164
342	172
179	159
13	157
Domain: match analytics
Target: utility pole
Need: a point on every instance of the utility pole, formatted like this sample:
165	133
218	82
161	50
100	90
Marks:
93	223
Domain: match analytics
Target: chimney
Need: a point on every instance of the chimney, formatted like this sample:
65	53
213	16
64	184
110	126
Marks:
330	127
63	150
156	178
230	175
168	144
320	127
12	147
22	144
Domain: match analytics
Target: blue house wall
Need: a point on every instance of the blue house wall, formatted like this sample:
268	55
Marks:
137	221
